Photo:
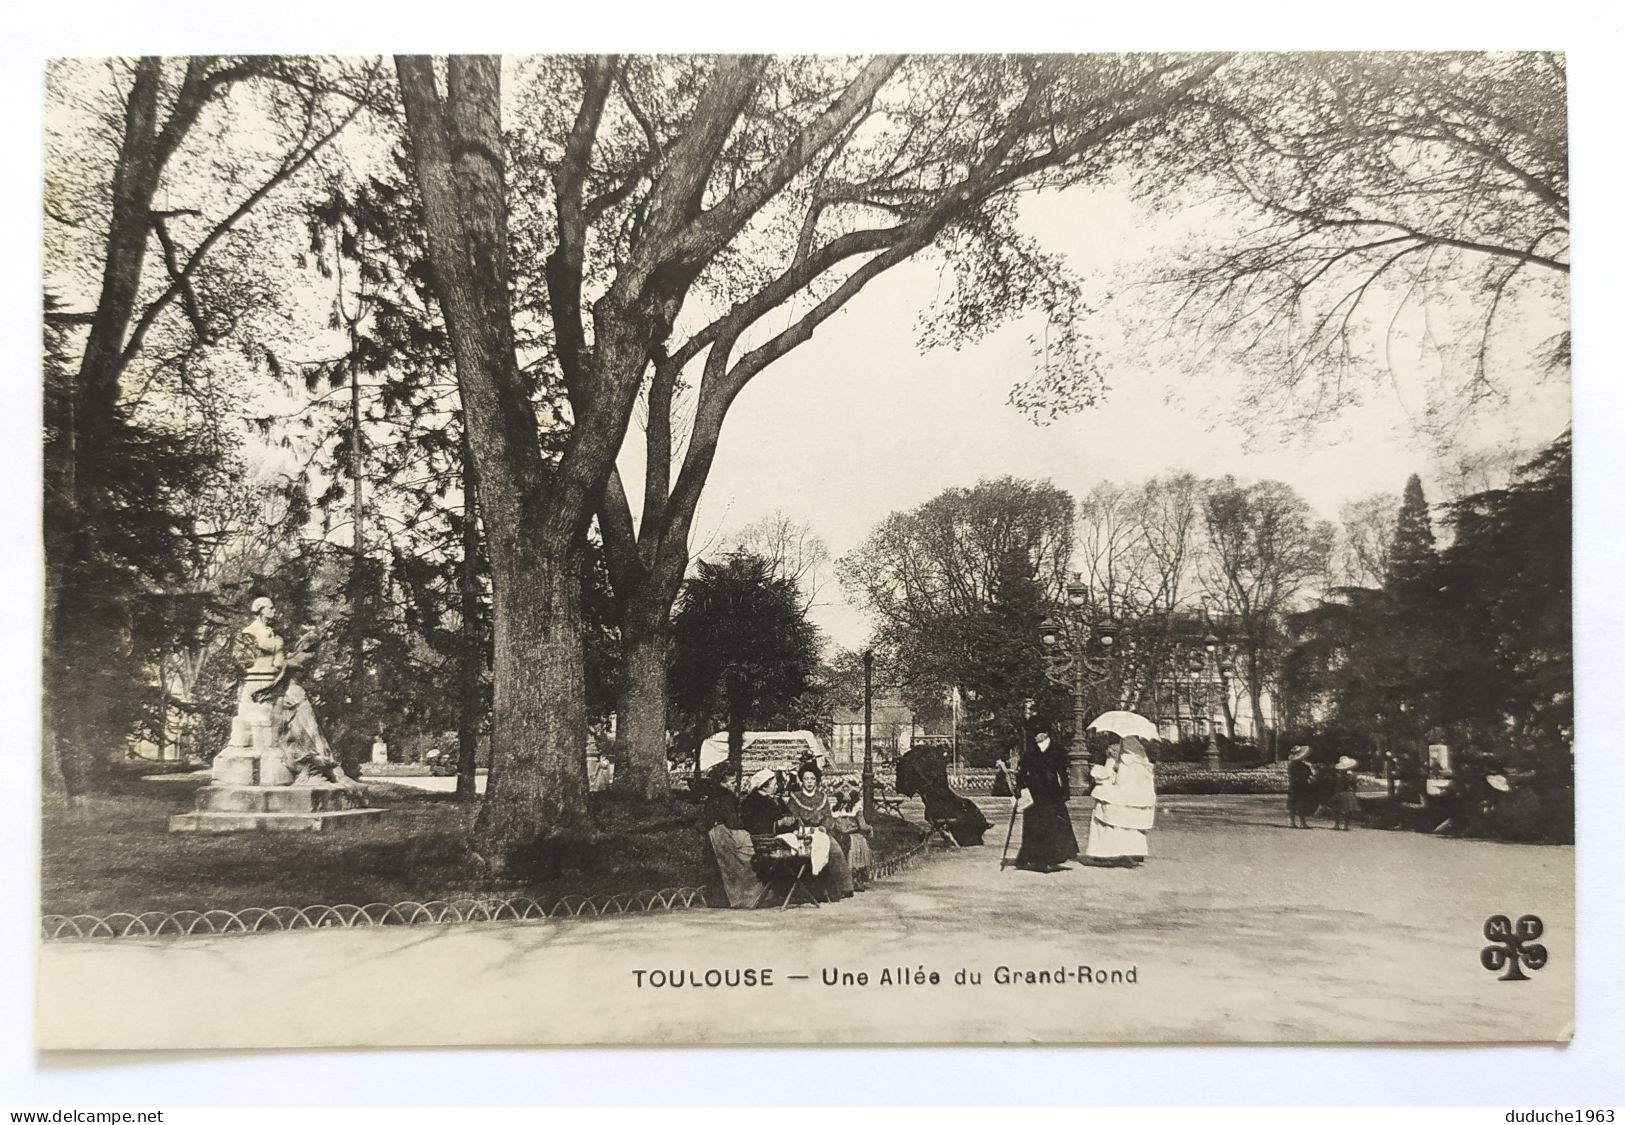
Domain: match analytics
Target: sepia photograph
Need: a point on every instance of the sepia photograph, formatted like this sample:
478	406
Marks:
806	549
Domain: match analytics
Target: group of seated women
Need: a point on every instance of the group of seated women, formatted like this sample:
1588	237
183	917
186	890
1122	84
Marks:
823	823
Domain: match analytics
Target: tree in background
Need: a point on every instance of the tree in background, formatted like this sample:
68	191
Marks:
151	179
115	600
793	548
743	650
1266	552
1373	653
959	586
1138	550
1008	668
1369	184
1507	594
1466	472
1474	642
390	453
1413	630
1365	540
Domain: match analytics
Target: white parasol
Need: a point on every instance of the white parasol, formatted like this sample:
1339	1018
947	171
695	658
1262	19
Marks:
1125	724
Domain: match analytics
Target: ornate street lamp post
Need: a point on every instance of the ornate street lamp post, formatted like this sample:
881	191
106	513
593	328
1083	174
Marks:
1067	663
868	740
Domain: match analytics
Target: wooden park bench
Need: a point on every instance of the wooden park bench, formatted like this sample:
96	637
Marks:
887	799
781	869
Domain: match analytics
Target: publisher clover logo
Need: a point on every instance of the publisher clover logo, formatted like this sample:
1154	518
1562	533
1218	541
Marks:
1512	947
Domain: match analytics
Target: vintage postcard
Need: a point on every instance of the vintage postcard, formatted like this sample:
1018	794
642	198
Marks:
798	549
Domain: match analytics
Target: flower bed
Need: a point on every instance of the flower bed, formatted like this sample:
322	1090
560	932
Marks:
1191	777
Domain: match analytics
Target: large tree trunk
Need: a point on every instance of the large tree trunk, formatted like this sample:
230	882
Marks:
83	629
646	639
536	517
537	788
644	732
471	659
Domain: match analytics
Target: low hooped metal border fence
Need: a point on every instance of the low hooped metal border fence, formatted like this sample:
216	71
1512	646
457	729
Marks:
436	912
254	919
892	865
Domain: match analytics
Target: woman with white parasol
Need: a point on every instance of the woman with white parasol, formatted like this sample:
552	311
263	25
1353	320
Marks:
1125	793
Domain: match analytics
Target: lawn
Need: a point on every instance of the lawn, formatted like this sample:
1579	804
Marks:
115	853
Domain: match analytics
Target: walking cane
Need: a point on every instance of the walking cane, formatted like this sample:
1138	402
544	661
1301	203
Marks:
1015	798
1015	805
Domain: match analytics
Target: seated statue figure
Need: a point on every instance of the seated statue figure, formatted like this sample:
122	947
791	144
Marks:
273	700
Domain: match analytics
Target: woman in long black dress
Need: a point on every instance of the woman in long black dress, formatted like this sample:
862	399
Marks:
1301	798
1001	780
1047	840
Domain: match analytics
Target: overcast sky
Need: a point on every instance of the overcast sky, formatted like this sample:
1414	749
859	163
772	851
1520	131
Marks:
859	423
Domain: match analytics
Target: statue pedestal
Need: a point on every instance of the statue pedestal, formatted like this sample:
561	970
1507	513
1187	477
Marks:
323	807
254	791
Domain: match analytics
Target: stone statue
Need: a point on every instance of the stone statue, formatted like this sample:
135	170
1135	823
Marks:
277	774
275	720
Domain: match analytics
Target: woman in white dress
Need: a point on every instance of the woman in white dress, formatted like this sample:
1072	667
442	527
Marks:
1125	796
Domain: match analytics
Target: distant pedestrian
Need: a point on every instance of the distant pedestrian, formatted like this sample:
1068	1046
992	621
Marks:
1301	797
1001	780
1347	801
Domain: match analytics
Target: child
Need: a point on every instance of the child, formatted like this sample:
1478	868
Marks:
1347	801
853	832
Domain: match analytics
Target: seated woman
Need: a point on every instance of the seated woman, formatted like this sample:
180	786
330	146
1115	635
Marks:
761	813
852	831
719	798
721	823
923	772
811	806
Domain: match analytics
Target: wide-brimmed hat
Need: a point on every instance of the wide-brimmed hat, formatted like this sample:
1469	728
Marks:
1346	763
760	778
1498	781
1298	754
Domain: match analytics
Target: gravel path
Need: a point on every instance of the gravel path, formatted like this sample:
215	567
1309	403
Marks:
1237	929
